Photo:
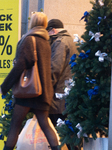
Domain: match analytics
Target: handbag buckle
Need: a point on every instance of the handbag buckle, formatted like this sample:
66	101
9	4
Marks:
25	78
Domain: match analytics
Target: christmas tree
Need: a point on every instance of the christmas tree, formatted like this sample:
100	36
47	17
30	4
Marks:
6	115
87	105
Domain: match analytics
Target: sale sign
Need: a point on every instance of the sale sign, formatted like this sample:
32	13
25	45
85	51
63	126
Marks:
10	26
10	22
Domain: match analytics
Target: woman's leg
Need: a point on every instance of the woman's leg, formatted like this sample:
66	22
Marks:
17	118
42	117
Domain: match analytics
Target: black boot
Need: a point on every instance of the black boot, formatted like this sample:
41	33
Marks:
8	148
55	148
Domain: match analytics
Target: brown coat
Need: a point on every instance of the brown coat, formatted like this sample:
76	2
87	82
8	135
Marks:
62	47
25	60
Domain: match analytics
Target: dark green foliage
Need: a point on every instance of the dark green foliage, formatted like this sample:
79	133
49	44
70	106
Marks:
92	112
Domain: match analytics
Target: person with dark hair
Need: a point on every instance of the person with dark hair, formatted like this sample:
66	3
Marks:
62	48
25	60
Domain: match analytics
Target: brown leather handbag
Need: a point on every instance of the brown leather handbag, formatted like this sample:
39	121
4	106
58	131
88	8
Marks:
29	84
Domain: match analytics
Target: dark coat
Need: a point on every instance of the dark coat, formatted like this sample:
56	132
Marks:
62	48
25	60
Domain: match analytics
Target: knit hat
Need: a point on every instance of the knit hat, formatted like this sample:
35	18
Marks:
54	23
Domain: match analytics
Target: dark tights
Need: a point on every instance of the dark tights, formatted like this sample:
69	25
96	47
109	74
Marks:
18	116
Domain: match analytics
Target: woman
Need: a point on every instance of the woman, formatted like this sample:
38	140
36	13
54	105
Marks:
25	60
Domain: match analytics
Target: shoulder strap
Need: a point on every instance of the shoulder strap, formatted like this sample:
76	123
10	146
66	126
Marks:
34	43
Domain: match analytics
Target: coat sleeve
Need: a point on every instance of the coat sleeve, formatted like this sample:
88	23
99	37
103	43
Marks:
58	58
25	61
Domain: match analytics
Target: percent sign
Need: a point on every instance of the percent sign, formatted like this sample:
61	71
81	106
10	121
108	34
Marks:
4	43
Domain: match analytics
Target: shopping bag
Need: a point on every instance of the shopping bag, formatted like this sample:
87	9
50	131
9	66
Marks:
32	137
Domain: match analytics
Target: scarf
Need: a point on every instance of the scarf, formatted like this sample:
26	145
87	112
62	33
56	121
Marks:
38	30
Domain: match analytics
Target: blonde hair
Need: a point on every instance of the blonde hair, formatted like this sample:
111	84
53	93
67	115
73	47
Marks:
38	19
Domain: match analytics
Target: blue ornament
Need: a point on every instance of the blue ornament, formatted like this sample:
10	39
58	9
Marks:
82	55
90	81
69	124
86	14
10	108
7	105
3	96
72	58
10	102
100	18
73	64
93	92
